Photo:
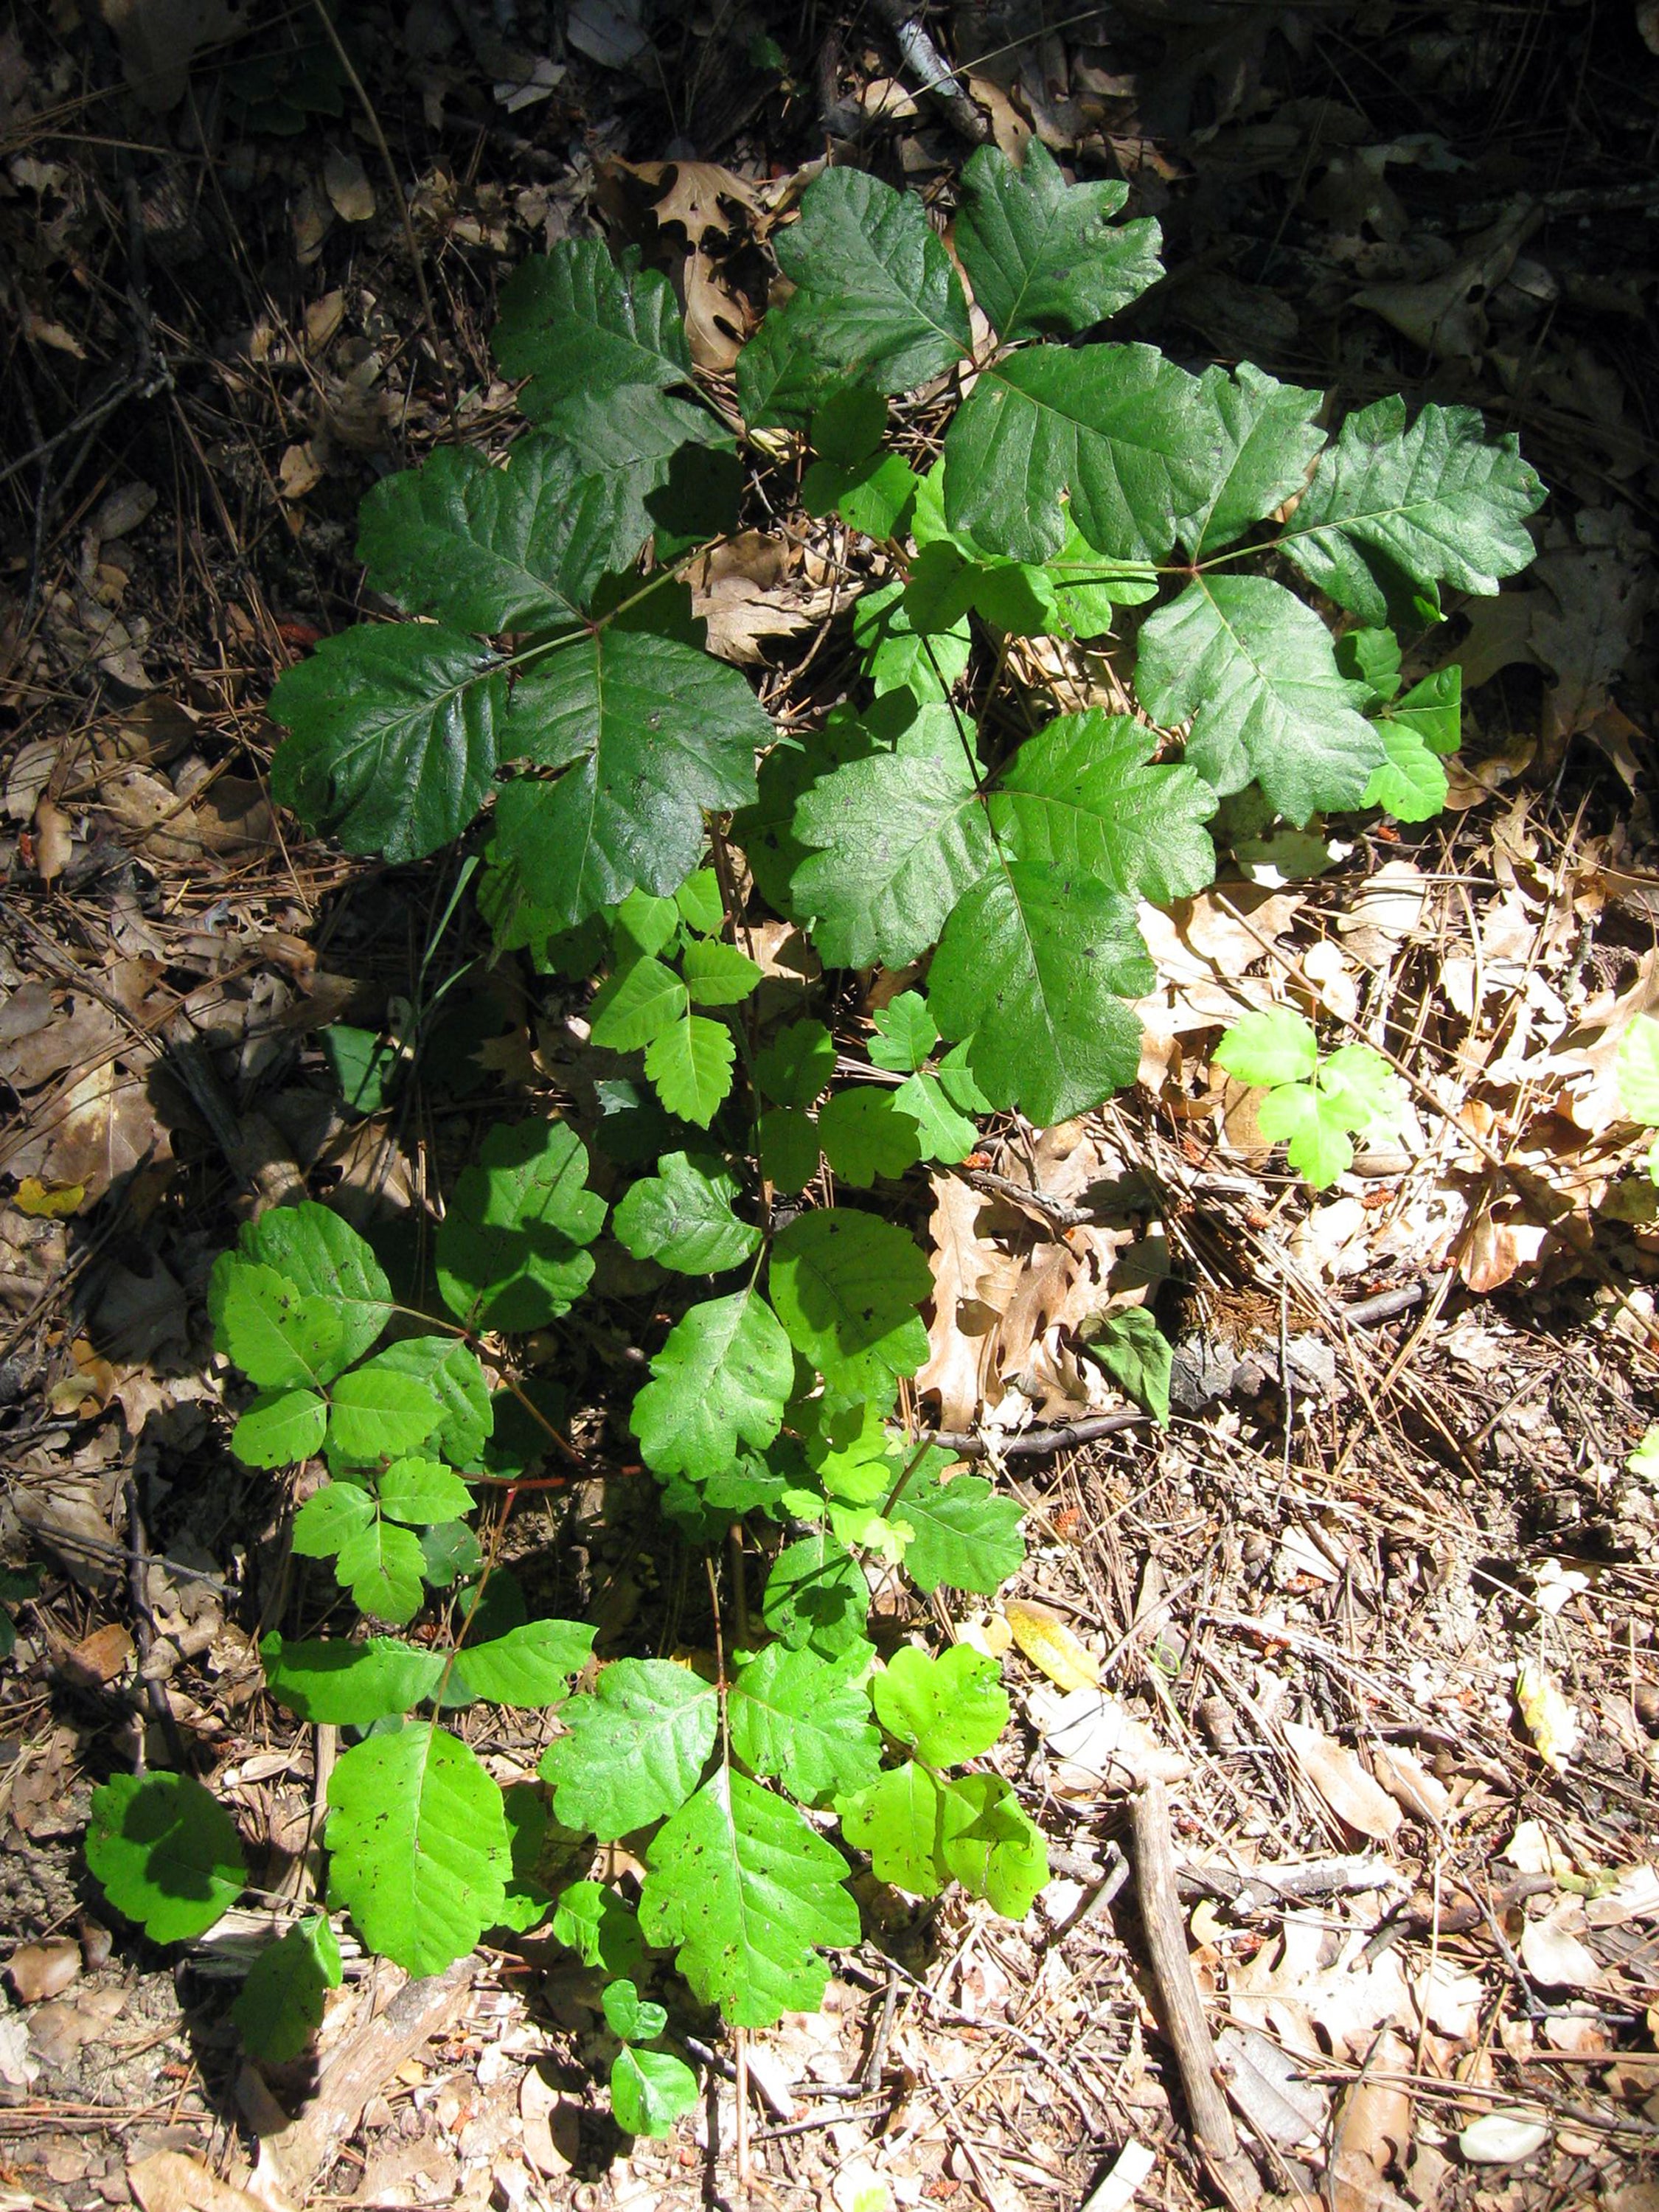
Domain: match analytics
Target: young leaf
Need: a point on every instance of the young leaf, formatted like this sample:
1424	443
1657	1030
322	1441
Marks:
417	1844
634	1749
280	2006
1312	1129
1273	1047
906	1033
1268	441
573	320
878	301
745	1890
683	1217
450	1553
1358	1083
846	1287
511	1248
279	1337
383	1568
902	837
629	2015
454	1377
166	1853
718	974
865	1135
1033	965
1436	502
650	2089
330	1517
992	1846
1637	1071
324	1257
805	1721
816	1597
643	925
1254	672
797	1065
1409	781
947	1709
1119	428
699	903
1138	1356
1081	794
378	1412
598	1928
279	1428
942	1133
963	1533
520	547
1433	710
392	737
725	1375
690	1067
1372	656
530	1666
637	1004
349	1685
898	1821
649	732
422	1492
1043	257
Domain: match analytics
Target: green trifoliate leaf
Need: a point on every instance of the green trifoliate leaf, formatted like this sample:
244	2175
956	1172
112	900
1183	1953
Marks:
1119	428
690	1066
865	1135
280	1428
527	1901
1273	1047
1081	794
166	1853
846	1287
699	903
683	1218
531	1666
724	1376
648	732
635	1747
1434	503
421	1491
745	1891
324	1257
643	924
1433	710
991	1846
1313	1131
947	1709
515	548
366	1066
573	320
1372	656
383	1568
1637	1071
629	2015
797	1065
454	1376
898	1821
942	1133
280	2006
1044	258
636	1004
906	1034
598	1928
875	496
1409	781
418	1848
378	1411
879	302
816	1597
392	737
962	1532
1090	586
718	974
279	1336
788	1149
349	1685
903	836
1357	1082
806	1721
511	1249
849	428
650	2089
1268	441
650	465
1254	670
1644	1460
1138	1356
1033	965
899	658
330	1517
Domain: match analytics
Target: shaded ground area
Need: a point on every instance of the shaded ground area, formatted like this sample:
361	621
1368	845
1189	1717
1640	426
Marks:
1376	1609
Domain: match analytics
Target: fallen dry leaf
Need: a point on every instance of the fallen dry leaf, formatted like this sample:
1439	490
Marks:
1336	1774
1372	2134
1551	1721
167	2181
1099	1745
44	1970
1050	1645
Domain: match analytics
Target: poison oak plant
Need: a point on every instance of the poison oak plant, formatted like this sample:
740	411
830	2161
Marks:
940	822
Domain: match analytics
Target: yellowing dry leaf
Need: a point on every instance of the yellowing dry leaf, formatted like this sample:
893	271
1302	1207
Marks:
46	1201
1336	1774
1550	1721
1049	1645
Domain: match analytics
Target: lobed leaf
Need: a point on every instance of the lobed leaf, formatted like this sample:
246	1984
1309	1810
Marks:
323	1257
1268	442
807	1722
511	1248
682	1217
378	1411
963	1533
384	1567
723	1376
947	1709
635	1747
574	320
816	1597
866	1135
452	1374
650	2089
690	1065
1044	258
1081	794
991	1846
846	1287
279	1428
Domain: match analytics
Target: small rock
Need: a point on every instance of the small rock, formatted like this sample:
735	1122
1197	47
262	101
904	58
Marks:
44	1970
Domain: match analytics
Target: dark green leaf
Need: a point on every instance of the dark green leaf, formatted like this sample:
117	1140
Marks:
349	1685
846	1287
1044	258
511	1248
1080	795
573	320
1268	441
166	1853
965	1534
454	1377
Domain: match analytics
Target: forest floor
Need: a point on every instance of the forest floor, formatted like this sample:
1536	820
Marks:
1375	1611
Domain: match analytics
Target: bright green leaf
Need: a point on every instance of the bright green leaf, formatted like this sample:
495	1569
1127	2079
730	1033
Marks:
166	1854
816	1597
1409	781
865	1135
330	1517
1044	258
1637	1070
897	656
682	1217
846	1287
1137	1355
990	1844
378	1412
1081	794
699	903
598	1928
1314	1133
1272	1046
629	2015
530	1666
280	2006
638	1003
898	1821
718	974
963	1533
724	1376
349	1685
947	1709
1434	709
806	1721
280	1337
635	1746
906	1033
324	1257
942	1133
450	1372
383	1567
650	2089
1357	1082
279	1428
643	925
690	1067
422	1492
